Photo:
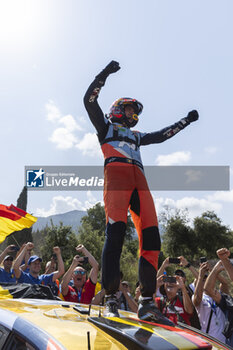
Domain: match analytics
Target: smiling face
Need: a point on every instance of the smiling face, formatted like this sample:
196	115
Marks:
79	276
130	113
171	289
7	264
35	267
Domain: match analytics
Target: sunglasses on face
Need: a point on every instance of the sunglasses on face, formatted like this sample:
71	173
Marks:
79	272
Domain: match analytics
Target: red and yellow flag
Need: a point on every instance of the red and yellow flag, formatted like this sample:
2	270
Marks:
13	219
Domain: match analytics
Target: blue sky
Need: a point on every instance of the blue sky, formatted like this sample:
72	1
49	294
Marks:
175	56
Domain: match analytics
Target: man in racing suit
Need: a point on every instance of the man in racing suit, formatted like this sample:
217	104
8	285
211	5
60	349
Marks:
126	187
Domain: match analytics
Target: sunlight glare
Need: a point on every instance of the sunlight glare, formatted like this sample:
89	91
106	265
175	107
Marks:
18	21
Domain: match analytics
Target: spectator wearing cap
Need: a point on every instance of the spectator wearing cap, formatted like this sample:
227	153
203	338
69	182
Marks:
194	319
34	264
171	304
6	272
124	299
82	289
183	262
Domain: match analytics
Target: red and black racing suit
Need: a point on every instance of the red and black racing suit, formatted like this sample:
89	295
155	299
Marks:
126	187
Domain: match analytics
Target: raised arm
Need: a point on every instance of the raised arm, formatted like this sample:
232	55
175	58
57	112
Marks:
94	264
20	258
168	132
90	99
184	263
6	251
224	256
60	264
67	276
209	286
198	293
163	267
188	306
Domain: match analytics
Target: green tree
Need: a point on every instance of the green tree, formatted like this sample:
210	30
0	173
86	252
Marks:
203	239
211	235
178	239
61	236
177	236
96	219
24	235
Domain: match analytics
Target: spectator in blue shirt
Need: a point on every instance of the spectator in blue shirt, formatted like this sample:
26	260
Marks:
34	263
6	272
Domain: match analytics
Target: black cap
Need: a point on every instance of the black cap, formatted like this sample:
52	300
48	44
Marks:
8	257
179	272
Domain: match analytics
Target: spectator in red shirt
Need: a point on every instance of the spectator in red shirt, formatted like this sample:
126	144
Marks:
75	286
172	305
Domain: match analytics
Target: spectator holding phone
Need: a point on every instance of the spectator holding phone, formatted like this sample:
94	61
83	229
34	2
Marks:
6	272
34	263
171	304
211	317
181	261
82	289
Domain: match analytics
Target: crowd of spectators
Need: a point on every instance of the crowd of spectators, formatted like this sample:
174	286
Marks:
205	303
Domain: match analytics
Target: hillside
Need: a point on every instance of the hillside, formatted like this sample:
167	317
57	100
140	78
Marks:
71	218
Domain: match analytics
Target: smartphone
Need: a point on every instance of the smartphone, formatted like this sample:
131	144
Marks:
85	260
15	248
203	259
169	279
174	261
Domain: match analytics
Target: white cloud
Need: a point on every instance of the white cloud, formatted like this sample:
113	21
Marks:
60	205
63	138
176	158
91	200
89	145
195	206
211	150
53	113
69	123
223	196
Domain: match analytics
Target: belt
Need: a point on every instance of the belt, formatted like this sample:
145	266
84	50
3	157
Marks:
123	160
